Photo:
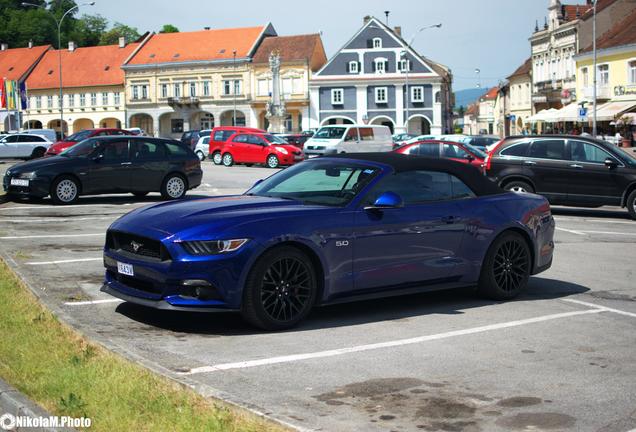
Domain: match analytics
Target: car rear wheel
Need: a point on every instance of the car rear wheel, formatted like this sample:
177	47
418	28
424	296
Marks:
272	161
173	187
631	204
65	190
217	158
519	187
506	268
38	152
280	289
200	155
228	160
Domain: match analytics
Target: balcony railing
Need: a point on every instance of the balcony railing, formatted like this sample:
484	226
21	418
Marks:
183	101
602	92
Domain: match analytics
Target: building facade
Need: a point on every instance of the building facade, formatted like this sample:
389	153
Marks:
486	111
193	80
520	94
300	57
377	78
93	88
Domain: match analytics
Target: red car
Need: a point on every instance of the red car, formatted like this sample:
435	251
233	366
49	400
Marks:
259	148
445	149
70	141
220	135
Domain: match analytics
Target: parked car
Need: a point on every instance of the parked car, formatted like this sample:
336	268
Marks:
202	148
298	140
23	146
62	145
256	148
334	139
108	164
567	170
221	134
401	139
137	131
482	142
191	138
49	134
330	230
459	152
427	137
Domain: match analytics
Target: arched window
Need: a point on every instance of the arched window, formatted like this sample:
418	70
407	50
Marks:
377	42
437	97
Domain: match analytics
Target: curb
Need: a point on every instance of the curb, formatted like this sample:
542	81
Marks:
15	403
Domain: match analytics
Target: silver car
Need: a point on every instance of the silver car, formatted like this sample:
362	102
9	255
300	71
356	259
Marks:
23	146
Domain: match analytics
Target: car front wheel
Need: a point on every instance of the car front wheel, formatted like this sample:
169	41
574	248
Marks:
228	160
280	289
65	190
506	268
217	158
173	187
200	155
519	187
631	204
272	161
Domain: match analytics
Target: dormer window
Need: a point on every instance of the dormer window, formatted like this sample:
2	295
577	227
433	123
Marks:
380	65
377	42
404	65
353	67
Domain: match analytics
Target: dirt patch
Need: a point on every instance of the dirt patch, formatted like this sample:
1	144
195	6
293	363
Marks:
445	408
371	388
537	420
611	295
519	401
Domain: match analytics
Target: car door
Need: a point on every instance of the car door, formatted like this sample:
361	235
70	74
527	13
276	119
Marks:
351	141
258	149
367	140
27	143
110	167
238	147
589	180
412	245
8	146
431	150
549	165
149	165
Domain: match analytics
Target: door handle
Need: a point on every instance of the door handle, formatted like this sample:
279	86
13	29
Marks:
529	163
577	166
126	163
448	219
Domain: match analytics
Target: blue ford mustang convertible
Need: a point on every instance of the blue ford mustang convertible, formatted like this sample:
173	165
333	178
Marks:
330	230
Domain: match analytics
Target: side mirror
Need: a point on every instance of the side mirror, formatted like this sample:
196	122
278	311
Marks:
386	201
259	181
611	163
98	157
469	157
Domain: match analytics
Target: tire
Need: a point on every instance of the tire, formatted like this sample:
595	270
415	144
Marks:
272	161
228	160
65	190
38	152
519	187
217	158
140	194
506	268
174	187
200	155
631	204
271	303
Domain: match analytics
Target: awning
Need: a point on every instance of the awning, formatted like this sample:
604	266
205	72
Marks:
608	111
569	113
543	116
631	119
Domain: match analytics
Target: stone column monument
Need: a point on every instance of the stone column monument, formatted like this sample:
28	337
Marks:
276	112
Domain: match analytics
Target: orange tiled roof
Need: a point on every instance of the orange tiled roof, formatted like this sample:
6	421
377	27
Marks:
292	48
490	94
216	44
602	4
84	67
471	110
16	62
622	33
524	69
573	12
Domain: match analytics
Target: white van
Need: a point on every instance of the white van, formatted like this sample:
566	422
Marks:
349	138
50	134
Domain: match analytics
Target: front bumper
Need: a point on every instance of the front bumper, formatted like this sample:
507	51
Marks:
38	187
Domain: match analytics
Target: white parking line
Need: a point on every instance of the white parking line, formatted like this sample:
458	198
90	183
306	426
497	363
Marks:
34	207
389	344
50	236
586	232
93	302
604	308
55	219
609	221
63	261
570	231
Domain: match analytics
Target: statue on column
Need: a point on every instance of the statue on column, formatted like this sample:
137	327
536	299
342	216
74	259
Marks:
275	108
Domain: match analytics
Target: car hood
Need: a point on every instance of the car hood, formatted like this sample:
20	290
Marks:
37	164
289	147
204	218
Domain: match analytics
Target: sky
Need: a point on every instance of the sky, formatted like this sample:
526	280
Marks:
491	35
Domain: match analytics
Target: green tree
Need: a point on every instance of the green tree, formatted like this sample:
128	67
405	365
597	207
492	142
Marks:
169	28
89	30
118	30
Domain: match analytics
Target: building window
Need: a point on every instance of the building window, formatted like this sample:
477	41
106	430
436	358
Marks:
144	92
404	65
93	99
164	90
177	90
49	101
117	98
289	123
377	43
193	89
206	88
238	87
104	99
83	99
71	101
380	65
631	72
381	95
353	67
232	85
585	76
603	74
176	125
135	93
417	94
38	102
263	86
337	97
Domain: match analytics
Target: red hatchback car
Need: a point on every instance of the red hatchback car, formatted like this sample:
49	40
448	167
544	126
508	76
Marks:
220	135
445	149
70	141
259	148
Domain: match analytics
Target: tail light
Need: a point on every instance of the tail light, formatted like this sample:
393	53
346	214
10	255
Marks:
488	160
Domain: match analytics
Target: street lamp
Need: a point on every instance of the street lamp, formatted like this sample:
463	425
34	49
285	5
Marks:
403	55
478	73
59	49
594	49
234	88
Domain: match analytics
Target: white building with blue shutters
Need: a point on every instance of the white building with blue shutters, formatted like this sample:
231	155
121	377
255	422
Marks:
377	78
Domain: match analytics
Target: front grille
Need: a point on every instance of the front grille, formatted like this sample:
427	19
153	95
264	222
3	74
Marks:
297	153
136	245
133	282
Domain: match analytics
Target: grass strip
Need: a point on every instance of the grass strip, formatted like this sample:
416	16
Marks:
70	376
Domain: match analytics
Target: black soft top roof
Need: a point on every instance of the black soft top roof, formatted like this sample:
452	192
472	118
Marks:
470	175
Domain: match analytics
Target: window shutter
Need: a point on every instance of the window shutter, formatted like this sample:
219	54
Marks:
369	43
386	66
373	66
359	67
348	67
409	65
399	65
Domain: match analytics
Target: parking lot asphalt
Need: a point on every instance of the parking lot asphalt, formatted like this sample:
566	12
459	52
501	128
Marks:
561	357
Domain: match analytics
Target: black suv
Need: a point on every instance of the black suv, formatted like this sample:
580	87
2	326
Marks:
567	170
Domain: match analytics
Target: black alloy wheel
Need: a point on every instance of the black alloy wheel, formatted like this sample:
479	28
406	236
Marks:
506	268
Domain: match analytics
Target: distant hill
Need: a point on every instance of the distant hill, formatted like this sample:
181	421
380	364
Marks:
467	96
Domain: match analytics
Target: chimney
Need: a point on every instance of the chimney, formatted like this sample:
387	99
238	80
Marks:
71	46
31	43
398	30
122	42
4	47
366	19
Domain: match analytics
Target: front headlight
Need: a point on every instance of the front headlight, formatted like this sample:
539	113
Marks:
27	175
212	247
282	150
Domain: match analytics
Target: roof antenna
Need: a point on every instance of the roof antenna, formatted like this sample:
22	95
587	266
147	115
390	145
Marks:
386	13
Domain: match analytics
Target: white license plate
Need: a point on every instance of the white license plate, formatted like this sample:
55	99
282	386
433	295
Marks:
19	182
125	269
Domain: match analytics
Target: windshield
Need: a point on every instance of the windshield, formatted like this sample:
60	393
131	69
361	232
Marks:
330	133
474	150
80	149
275	139
329	183
79	136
